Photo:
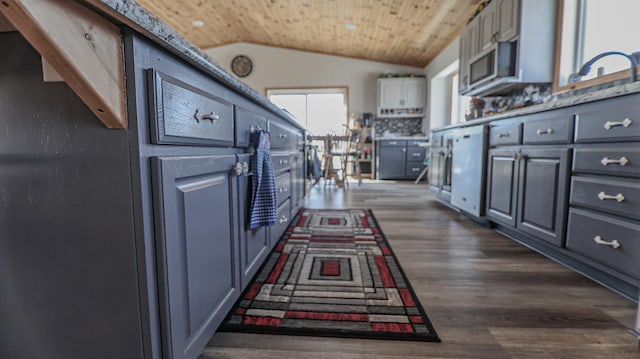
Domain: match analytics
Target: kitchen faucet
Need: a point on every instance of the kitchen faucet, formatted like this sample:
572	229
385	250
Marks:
584	70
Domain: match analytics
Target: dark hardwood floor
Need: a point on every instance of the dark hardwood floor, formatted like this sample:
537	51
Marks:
487	296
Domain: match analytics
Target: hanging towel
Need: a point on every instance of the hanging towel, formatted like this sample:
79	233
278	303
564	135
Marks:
264	203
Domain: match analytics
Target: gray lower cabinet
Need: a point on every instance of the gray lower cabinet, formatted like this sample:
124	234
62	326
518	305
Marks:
253	243
197	249
400	159
527	189
542	193
391	162
502	186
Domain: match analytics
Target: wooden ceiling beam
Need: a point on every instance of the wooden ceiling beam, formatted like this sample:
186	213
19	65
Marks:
82	46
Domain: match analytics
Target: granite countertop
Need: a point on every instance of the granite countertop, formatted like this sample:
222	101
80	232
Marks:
129	11
563	100
426	138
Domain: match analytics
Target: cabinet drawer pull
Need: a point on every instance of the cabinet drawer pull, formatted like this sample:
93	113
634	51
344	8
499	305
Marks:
416	154
622	161
619	197
547	131
212	116
255	128
282	135
393	142
624	123
504	134
283	162
283	189
283	219
614	243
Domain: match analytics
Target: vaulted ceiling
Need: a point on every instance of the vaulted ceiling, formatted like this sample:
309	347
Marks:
409	32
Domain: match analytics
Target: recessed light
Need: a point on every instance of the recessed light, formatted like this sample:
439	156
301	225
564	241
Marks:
350	26
197	23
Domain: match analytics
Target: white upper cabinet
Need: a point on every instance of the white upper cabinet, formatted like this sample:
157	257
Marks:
401	97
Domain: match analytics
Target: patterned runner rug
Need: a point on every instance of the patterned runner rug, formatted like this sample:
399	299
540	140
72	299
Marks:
332	274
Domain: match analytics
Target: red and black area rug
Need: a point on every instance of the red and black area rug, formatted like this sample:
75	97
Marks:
332	274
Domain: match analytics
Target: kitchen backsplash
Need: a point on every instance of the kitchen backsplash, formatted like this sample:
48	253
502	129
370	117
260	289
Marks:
398	126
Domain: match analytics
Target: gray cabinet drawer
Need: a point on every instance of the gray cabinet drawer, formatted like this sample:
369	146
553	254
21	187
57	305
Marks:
413	169
613	120
246	123
283	184
556	129
183	114
507	134
393	143
415	143
599	160
282	135
281	162
415	154
611	195
586	226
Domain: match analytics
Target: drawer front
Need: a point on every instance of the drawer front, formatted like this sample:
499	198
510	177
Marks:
586	228
282	136
282	222
503	135
611	120
415	154
246	123
621	161
612	195
415	143
414	169
393	143
281	162
283	186
185	115
557	129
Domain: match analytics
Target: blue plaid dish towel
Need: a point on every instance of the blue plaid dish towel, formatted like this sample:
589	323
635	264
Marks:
264	202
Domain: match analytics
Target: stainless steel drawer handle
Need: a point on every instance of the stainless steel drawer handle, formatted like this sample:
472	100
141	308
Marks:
622	161
282	136
619	197
547	131
614	243
212	116
504	134
283	189
393	142
416	154
283	219
283	162
624	123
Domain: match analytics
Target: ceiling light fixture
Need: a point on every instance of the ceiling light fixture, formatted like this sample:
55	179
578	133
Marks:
197	23
351	26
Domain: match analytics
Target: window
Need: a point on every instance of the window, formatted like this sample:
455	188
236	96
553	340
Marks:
321	111
459	103
591	27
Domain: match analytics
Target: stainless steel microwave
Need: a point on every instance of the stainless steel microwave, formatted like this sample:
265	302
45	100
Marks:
497	61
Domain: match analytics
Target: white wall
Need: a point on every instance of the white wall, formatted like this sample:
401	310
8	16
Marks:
439	88
276	67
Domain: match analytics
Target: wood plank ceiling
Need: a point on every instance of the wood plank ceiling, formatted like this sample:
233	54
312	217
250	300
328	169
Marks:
406	32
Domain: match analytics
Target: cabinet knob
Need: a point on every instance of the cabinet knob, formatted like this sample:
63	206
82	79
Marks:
623	161
619	197
283	219
237	169
212	116
624	123
547	131
613	244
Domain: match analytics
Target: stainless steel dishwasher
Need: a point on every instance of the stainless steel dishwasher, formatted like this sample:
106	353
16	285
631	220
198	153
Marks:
468	176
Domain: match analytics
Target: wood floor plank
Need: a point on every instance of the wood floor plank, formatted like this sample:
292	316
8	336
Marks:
486	295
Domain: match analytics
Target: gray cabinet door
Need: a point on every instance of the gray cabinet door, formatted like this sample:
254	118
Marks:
392	161
502	185
253	243
487	26
197	255
508	19
542	194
